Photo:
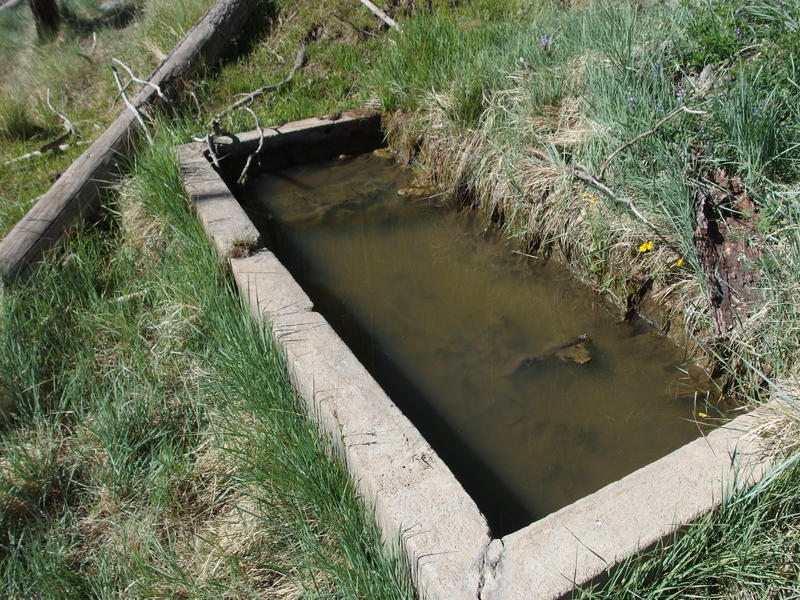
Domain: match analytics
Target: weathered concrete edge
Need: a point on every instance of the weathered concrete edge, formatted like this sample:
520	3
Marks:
601	530
416	499
223	218
320	127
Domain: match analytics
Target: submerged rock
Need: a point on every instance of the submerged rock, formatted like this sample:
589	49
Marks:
417	191
575	351
383	153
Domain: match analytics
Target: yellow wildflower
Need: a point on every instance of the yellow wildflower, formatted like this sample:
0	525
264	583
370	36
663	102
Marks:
680	262
592	200
646	247
702	415
585	195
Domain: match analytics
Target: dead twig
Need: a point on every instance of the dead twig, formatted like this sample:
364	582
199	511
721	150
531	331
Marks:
243	177
354	26
92	49
137	80
249	97
53	146
644	134
193	96
67	123
380	14
583	174
130	106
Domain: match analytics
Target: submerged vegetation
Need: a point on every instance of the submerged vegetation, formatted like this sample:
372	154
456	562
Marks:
155	448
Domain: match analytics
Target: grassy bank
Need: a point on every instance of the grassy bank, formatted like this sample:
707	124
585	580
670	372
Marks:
156	449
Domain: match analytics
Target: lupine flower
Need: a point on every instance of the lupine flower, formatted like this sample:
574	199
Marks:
544	42
631	100
680	95
758	110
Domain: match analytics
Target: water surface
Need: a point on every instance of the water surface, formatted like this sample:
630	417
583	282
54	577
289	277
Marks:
460	332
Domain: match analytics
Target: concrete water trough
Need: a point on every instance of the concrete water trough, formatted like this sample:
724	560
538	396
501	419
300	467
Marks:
417	500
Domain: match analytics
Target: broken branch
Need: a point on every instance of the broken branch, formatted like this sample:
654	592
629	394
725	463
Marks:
49	147
644	134
249	97
130	106
137	80
67	123
354	26
380	14
583	174
243	177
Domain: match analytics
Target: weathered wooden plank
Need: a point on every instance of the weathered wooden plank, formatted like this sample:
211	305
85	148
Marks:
77	192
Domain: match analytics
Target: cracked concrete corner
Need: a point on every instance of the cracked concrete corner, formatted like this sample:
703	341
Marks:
492	559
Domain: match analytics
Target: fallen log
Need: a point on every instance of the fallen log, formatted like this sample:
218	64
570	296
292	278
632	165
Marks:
77	192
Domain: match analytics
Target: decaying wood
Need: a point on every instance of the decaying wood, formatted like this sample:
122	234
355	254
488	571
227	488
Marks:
76	193
46	16
726	217
380	14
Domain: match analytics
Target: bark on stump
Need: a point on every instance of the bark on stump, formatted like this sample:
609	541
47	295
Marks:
46	16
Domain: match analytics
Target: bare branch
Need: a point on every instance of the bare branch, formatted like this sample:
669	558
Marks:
67	123
354	26
243	177
92	49
248	98
137	80
210	143
583	174
193	96
674	113
130	106
53	146
380	14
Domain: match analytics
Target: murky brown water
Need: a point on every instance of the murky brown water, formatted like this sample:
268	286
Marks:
459	330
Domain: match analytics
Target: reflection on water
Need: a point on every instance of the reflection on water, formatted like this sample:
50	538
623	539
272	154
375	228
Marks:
480	343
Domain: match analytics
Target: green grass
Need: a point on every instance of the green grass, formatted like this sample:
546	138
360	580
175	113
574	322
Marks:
81	86
157	449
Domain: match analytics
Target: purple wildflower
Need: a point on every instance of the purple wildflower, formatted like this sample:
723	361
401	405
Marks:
544	42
